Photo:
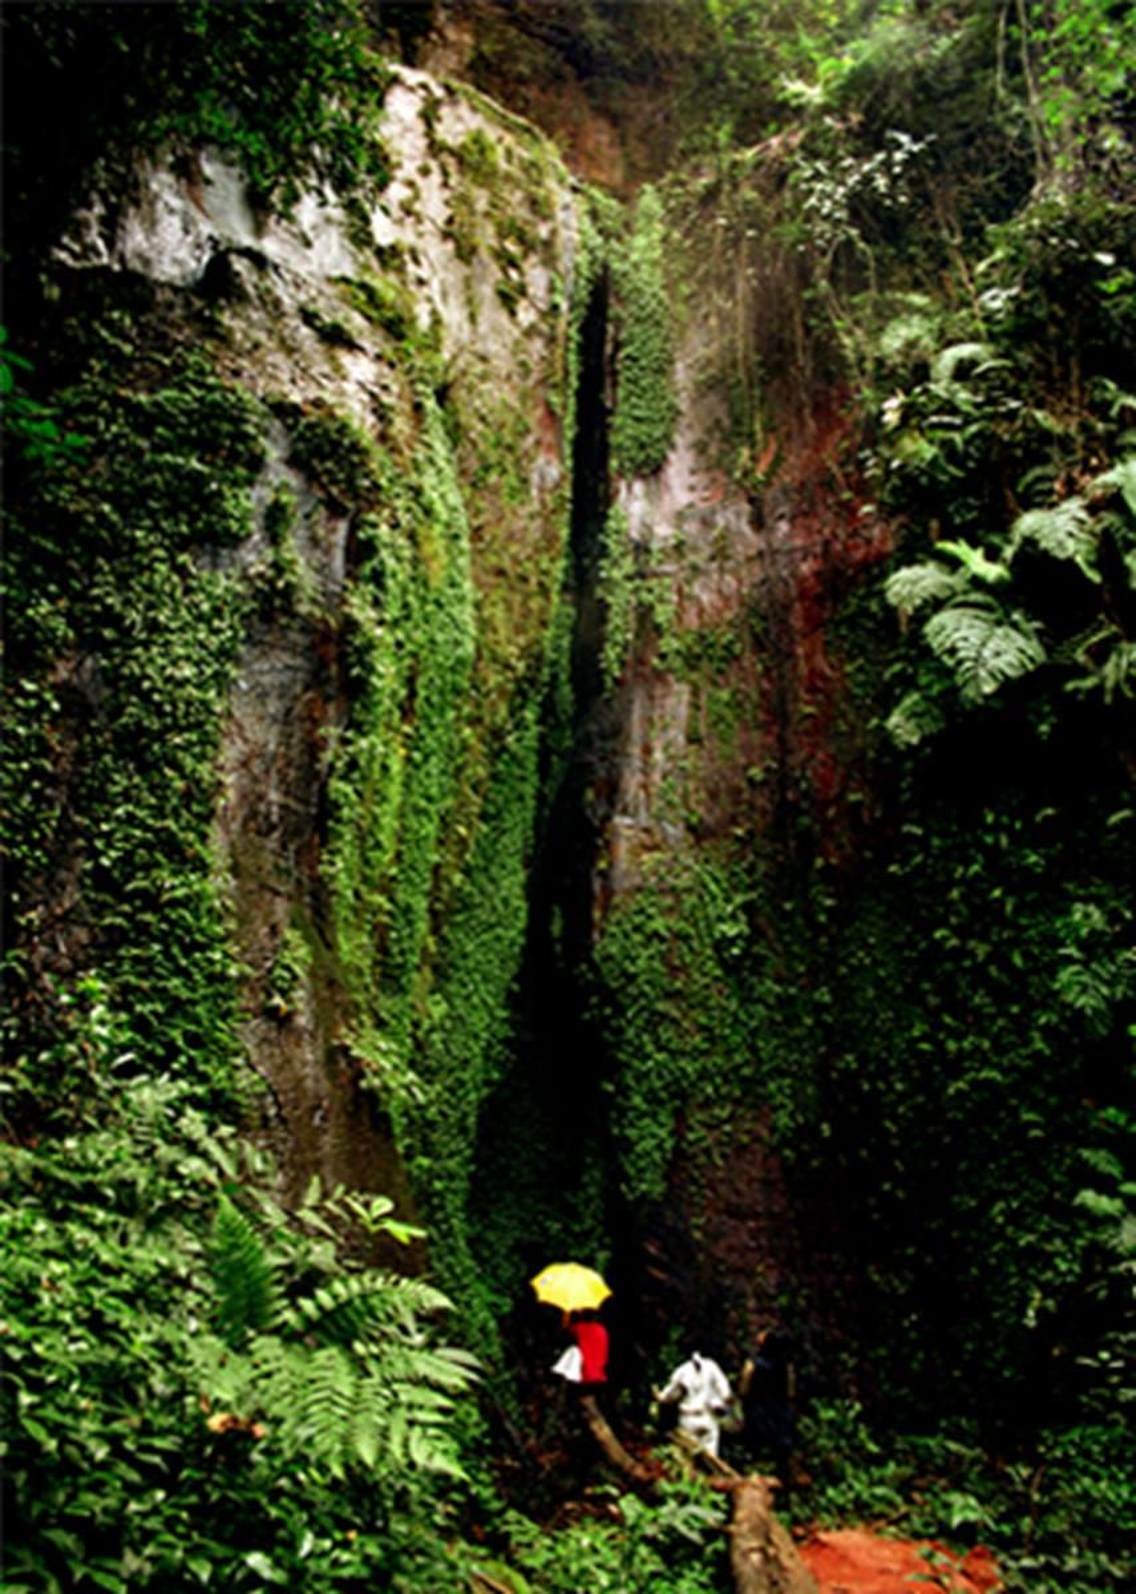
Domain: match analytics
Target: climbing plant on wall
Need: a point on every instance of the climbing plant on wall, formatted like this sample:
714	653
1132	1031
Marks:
645	410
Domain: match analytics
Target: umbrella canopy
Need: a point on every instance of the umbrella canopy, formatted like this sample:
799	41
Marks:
570	1286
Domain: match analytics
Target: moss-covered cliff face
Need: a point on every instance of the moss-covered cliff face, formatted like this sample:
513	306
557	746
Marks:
287	619
453	673
843	971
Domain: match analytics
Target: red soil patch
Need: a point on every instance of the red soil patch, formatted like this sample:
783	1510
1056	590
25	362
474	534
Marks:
855	1562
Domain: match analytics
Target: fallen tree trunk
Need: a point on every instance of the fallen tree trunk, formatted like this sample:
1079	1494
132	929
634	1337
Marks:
610	1445
763	1557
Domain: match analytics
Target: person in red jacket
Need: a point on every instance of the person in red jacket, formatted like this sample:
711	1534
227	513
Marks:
586	1373
591	1338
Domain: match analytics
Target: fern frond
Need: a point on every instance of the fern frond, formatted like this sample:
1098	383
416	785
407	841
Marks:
1102	1162
913	720
1124	1244
247	1290
947	362
396	1435
1065	531
414	1297
434	1453
1039	479
1084	646
318	1421
341	1310
462	1364
429	1367
914	587
370	1421
224	1377
1115	675
354	1305
309	1398
983	646
1096	988
339	1407
276	1365
1100	1206
425	1407
1116	400
1118	672
345	1377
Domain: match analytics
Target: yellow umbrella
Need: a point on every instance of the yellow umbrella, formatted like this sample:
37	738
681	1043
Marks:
570	1286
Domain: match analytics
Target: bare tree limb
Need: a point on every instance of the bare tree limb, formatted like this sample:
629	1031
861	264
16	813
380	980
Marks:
610	1445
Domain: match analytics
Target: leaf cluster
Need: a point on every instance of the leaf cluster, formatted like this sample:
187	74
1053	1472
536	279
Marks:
197	1385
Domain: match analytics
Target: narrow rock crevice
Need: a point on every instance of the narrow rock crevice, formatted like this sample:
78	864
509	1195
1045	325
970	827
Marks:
545	1129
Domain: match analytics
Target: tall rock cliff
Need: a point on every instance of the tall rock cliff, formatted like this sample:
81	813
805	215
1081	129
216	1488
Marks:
296	612
450	666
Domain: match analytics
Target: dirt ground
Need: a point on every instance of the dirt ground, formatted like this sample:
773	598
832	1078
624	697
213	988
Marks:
853	1561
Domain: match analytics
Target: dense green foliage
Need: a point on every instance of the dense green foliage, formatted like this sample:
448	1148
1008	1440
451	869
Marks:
199	1389
934	997
645	410
1057	1520
665	1544
129	822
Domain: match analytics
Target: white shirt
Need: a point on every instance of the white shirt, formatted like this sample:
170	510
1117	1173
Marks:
699	1385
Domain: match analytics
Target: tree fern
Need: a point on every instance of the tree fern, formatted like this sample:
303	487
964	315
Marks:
983	646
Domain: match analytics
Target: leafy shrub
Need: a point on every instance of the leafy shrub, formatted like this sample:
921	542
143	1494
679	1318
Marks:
851	1478
1060	1518
675	1544
145	1448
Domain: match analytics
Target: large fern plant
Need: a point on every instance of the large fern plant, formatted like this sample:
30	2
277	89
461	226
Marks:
344	1375
975	608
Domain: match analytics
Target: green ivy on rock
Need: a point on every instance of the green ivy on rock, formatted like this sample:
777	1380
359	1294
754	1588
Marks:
123	609
646	408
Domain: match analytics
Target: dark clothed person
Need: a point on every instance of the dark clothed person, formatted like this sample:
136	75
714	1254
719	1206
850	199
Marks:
767	1403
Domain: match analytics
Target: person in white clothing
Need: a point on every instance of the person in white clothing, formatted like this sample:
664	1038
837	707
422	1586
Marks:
703	1394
